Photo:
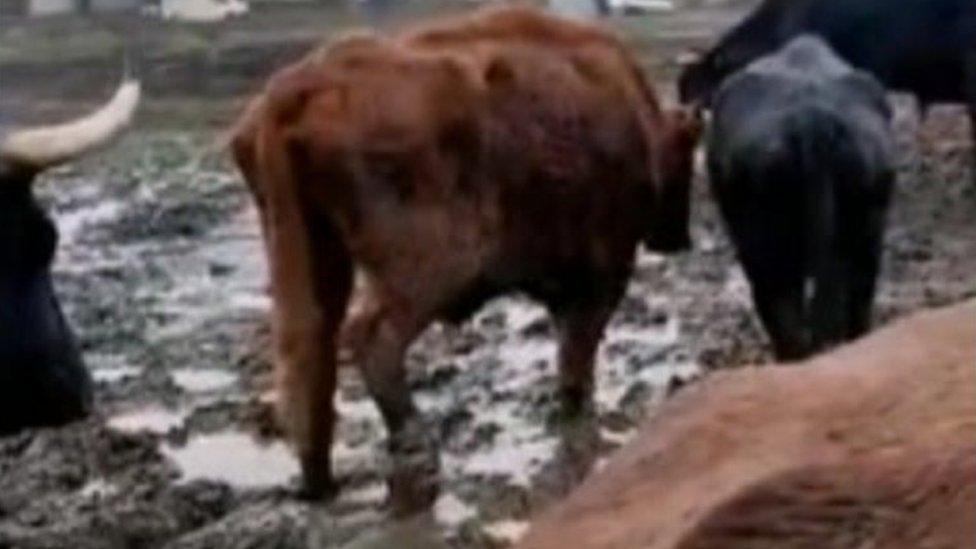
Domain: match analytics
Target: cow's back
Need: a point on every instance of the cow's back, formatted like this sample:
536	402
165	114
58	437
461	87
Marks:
456	138
917	47
802	86
567	137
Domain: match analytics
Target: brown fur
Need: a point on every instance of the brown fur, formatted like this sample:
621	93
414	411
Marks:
869	446
497	152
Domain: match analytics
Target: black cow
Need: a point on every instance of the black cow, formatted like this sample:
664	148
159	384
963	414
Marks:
800	157
42	378
925	47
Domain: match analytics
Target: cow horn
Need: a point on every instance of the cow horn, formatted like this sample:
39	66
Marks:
38	148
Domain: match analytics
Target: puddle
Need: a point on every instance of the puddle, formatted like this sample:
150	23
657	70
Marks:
203	381
114	374
507	531
71	224
372	494
517	460
153	419
235	458
450	510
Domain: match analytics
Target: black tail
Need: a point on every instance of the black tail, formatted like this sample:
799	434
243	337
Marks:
824	146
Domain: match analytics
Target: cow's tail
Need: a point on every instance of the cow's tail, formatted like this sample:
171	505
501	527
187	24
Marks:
311	277
823	144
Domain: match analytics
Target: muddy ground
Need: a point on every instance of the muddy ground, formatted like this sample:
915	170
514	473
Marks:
160	271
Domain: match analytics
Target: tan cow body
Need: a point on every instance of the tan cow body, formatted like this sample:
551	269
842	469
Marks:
873	445
503	151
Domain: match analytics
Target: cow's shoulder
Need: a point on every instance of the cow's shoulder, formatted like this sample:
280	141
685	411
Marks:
805	70
805	58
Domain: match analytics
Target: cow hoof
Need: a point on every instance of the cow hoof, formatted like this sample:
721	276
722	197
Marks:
316	487
575	405
311	493
413	490
413	480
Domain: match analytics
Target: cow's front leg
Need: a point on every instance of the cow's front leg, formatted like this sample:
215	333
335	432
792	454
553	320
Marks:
379	335
580	327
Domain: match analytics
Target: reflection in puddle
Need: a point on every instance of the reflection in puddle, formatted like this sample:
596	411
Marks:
153	419
235	458
203	381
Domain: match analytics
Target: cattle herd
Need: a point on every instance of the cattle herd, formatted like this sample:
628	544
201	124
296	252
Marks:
407	178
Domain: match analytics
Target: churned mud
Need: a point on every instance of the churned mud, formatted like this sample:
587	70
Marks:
160	271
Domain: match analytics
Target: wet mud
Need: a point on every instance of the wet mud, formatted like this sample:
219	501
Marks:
161	273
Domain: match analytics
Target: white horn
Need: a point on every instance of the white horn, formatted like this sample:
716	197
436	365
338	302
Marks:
37	148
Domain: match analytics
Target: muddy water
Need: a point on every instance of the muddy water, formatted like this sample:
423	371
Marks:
199	294
237	459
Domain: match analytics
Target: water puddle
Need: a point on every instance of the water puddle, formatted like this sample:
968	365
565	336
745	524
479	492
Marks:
518	459
235	458
72	224
203	381
373	494
450	510
153	419
114	373
507	531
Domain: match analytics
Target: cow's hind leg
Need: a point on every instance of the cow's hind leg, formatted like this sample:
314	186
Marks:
310	308
862	247
779	301
379	334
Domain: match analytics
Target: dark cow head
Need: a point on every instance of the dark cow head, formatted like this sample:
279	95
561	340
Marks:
674	169
42	378
759	34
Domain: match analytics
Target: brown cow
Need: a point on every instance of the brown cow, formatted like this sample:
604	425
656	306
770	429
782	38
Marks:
869	446
498	152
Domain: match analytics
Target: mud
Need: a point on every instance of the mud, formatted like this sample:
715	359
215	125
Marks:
160	271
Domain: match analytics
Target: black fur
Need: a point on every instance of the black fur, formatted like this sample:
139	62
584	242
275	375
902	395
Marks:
916	46
800	163
42	378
